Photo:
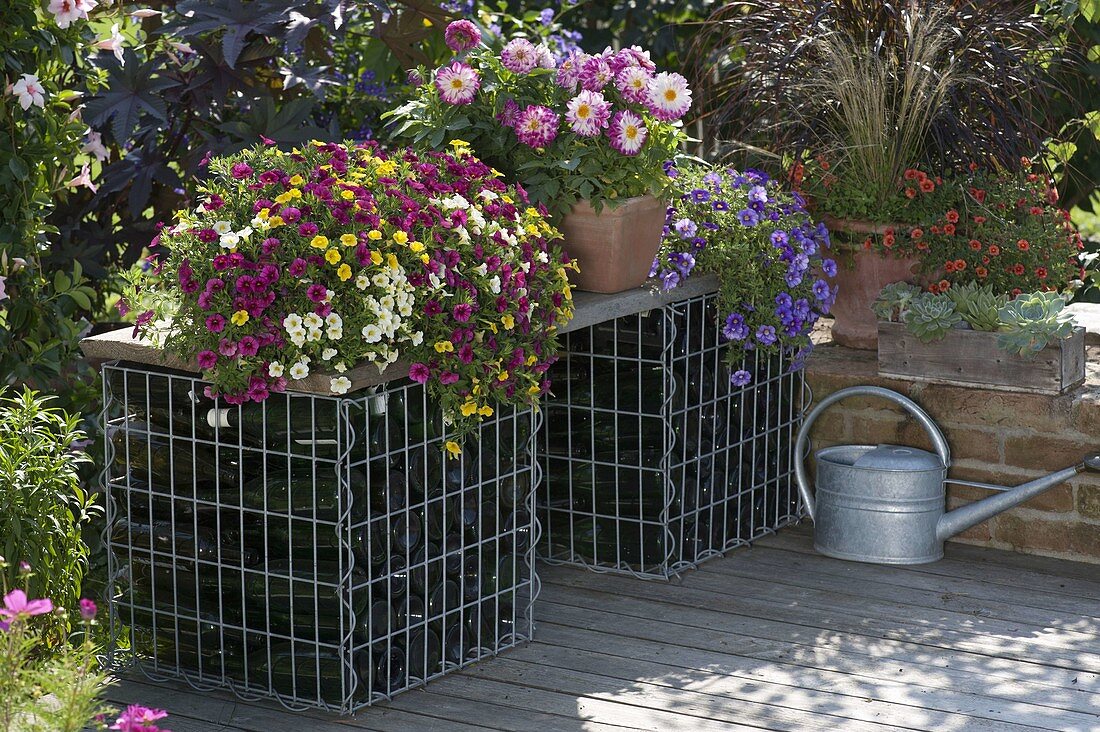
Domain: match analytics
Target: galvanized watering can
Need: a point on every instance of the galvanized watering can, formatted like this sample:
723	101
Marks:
885	503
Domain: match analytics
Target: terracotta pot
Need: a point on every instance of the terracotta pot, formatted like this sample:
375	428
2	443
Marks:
859	281
614	248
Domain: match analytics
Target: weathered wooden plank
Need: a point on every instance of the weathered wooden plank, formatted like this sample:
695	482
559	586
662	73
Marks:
968	594
591	308
992	566
970	357
792	618
812	688
806	571
584	706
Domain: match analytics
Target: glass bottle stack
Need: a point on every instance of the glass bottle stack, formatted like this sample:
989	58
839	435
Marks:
319	549
652	460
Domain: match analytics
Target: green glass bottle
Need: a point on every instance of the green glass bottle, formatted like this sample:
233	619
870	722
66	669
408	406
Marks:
175	465
398	535
307	589
431	474
307	671
444	598
288	424
307	493
492	624
194	645
169	405
455	636
424	653
176	587
185	542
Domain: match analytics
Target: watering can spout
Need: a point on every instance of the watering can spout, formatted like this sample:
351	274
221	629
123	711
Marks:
963	518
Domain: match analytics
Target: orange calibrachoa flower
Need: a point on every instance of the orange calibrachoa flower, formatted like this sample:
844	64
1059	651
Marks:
952	216
975	245
981	272
994	250
1023	245
927	186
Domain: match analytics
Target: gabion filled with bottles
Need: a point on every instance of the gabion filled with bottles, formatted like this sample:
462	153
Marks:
321	550
653	461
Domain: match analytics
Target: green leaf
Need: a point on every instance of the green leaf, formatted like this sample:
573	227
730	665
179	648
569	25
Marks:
18	168
81	299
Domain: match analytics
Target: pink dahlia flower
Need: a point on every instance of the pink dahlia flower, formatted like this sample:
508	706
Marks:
669	97
588	113
633	83
537	126
457	83
462	35
627	132
569	70
596	73
519	56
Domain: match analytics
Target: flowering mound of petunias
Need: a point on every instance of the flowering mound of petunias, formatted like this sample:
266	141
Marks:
768	254
325	257
594	127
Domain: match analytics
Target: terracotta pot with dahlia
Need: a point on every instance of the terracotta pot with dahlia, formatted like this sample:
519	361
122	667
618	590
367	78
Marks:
586	135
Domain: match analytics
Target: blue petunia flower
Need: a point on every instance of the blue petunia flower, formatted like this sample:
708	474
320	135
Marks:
765	334
828	266
748	217
741	377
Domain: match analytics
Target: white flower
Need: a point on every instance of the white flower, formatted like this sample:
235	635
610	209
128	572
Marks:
298	337
387	303
340	367
66	11
405	310
417	338
340	384
488	195
222	227
372	333
29	91
381	280
83	179
144	13
305	359
114	43
494	285
94	145
542	257
181	47
230	240
274	369
328	354
245	232
333	320
433	278
299	371
314	334
312	320
334	334
293	321
362	282
392	357
329	294
482	269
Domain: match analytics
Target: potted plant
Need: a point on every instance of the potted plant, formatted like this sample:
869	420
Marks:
320	258
770	257
970	334
856	97
587	137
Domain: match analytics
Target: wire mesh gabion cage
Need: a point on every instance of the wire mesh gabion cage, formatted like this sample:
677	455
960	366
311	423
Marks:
319	550
652	460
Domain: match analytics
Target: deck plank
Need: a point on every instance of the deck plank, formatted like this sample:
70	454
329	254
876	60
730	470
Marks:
775	637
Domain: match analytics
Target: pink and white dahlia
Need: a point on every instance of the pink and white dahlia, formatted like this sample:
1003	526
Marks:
668	96
569	70
588	113
537	126
633	83
457	83
596	73
632	56
508	113
462	35
544	57
519	56
627	132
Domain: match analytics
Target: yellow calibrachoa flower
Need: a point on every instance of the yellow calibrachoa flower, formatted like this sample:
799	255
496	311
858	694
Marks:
319	242
391	261
502	376
401	237
283	198
416	247
532	360
294	193
297	180
508	321
348	240
507	199
275	221
468	409
453	448
444	347
532	390
486	411
240	317
375	257
264	213
347	195
332	256
343	272
374	234
425	258
493	327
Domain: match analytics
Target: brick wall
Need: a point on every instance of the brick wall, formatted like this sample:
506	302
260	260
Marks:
995	437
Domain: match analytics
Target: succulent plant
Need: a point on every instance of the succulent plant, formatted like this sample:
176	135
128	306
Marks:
978	306
894	299
1033	320
929	317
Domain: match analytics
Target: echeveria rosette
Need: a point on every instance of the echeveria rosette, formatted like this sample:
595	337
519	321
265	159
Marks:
771	259
331	256
595	127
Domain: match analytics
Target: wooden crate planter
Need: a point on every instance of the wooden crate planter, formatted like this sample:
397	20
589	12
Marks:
968	357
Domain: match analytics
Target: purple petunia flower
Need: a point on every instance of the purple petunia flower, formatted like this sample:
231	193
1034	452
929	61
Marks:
699	195
670	278
778	238
462	312
765	335
686	228
741	377
206	359
748	217
735	328
828	266
821	290
215	323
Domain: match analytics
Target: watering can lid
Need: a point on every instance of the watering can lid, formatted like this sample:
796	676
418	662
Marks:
898	457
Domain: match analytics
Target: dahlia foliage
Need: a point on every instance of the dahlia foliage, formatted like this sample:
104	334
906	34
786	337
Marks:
771	259
330	256
594	127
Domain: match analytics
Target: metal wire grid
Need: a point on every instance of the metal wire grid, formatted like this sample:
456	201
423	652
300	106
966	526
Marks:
653	461
318	550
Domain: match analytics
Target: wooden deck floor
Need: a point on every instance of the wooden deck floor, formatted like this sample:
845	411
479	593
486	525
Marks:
773	637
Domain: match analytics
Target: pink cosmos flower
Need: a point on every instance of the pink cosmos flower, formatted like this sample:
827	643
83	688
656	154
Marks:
206	360
519	56
588	113
139	719
457	83
462	35
627	132
537	126
17	606
419	373
669	97
88	609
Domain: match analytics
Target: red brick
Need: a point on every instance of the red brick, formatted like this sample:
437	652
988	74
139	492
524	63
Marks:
829	429
966	443
1086	412
1047	452
990	408
1088	501
1020	533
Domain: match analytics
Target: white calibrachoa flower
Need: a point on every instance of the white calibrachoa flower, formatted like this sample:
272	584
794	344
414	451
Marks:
314	334
333	320
297	337
328	354
372	333
362	282
340	367
222	227
293	321
274	369
299	371
494	285
417	338
334	334
340	384
230	240
312	320
482	269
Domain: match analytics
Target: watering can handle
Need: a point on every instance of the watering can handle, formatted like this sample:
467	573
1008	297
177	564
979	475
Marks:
938	440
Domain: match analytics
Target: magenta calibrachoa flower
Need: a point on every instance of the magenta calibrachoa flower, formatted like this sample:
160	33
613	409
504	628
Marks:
597	126
345	255
457	83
